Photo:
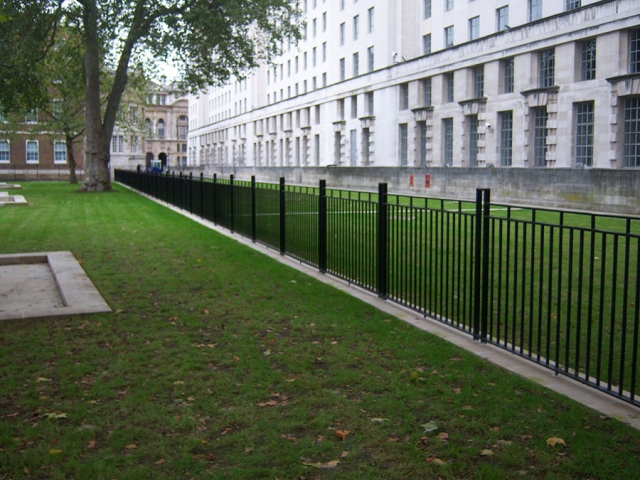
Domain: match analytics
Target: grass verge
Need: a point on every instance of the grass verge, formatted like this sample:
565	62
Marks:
219	362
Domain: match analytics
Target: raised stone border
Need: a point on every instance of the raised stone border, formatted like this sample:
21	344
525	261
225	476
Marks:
9	185
11	200
78	293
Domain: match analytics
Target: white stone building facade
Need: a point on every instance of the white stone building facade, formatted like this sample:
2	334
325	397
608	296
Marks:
503	83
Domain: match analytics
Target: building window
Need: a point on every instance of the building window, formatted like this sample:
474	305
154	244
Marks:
535	10
182	132
426	7
366	146
324	79
341	109
314	83
161	128
342	33
356	64
369	98
634	51
448	5
474	28
315	27
573	4
314	56
473	140
447	139
134	144
354	106
370	59
371	18
426	92
506	138
448	36
426	44
588	60
502	18
59	152
404	96
147	128
5	153
507	75
341	4
31	116
324	22
117	144
547	67
478	81
540	136
448	86
404	150
631	142
356	27
324	51
584	133
33	153
343	72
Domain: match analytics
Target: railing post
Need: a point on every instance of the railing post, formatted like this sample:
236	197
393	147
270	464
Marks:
181	181
214	204
382	246
253	208
322	227
190	192
481	265
201	194
282	218
231	199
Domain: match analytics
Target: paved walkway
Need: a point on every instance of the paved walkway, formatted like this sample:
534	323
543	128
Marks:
599	401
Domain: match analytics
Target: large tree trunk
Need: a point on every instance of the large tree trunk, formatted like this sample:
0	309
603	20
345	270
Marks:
71	158
96	155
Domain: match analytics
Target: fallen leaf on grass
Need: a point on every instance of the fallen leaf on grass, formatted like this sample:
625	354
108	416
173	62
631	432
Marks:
12	415
159	462
269	403
91	444
54	416
553	441
429	426
379	420
133	446
342	434
436	460
344	454
443	436
486	452
43	379
53	451
331	464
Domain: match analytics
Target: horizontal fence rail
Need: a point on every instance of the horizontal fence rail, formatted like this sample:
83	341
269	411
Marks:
559	288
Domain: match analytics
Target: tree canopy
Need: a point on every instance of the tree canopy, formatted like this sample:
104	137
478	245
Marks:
210	41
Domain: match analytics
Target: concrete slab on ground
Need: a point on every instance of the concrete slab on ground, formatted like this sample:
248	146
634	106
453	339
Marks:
11	200
5	185
37	285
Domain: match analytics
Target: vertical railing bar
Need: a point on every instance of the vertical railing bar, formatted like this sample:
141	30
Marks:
625	299
612	324
382	252
282	217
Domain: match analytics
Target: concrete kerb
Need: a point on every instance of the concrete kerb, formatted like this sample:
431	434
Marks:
588	396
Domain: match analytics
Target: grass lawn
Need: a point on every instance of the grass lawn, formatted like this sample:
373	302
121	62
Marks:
219	362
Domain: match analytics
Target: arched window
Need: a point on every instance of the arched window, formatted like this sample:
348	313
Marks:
160	128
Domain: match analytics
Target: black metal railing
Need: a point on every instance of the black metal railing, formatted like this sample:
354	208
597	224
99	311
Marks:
559	288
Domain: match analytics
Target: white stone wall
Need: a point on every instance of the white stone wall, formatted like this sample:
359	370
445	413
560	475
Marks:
261	121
